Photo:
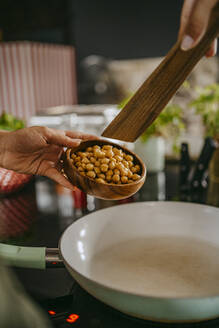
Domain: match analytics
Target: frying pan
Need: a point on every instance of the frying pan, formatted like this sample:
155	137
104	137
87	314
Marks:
151	260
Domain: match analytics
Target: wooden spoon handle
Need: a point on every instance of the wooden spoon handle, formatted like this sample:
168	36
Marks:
147	103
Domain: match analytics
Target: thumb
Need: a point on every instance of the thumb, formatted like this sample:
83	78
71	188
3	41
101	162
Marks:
197	23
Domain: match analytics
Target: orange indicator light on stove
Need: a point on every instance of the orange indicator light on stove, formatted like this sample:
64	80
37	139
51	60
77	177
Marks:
72	318
52	312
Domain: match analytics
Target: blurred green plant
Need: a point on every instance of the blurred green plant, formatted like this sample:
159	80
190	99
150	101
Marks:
10	122
169	124
207	105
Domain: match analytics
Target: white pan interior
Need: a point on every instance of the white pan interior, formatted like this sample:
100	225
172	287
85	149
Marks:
161	249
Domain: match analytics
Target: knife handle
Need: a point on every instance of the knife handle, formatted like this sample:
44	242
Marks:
184	165
154	94
202	163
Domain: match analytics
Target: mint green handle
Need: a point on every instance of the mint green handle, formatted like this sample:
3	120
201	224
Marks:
26	257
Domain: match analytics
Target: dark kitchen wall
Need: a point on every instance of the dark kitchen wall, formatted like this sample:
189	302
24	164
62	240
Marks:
119	29
114	29
125	29
110	28
34	20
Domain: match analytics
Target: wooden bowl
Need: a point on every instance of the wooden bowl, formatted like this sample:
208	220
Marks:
101	190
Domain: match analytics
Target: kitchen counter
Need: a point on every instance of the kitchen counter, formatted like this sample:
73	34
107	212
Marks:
41	212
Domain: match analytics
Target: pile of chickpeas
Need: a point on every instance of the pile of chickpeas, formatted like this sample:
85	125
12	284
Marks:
106	164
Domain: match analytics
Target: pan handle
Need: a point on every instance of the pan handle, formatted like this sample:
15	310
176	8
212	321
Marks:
30	257
26	257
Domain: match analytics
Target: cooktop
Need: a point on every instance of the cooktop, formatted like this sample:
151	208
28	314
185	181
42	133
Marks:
40	214
79	309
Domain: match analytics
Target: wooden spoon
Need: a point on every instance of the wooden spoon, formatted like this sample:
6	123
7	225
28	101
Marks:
158	89
110	191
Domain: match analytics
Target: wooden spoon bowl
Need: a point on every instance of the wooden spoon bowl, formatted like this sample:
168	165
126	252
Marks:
110	191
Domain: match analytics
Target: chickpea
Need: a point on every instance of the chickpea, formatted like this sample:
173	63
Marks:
92	159
112	165
85	160
119	166
101	176
133	169
109	153
96	147
77	158
106	164
99	180
78	164
116	178
98	153
89	155
89	167
124	172
97	163
118	158
125	163
79	153
116	172
130	174
135	177
137	167
124	179
117	151
102	154
129	158
91	174
104	167
105	160
97	170
95	153
130	164
107	147
108	178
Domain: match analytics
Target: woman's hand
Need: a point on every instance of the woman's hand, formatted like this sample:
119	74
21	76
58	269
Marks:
194	20
37	150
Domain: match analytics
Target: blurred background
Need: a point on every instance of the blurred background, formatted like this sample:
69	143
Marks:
73	63
105	30
100	51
